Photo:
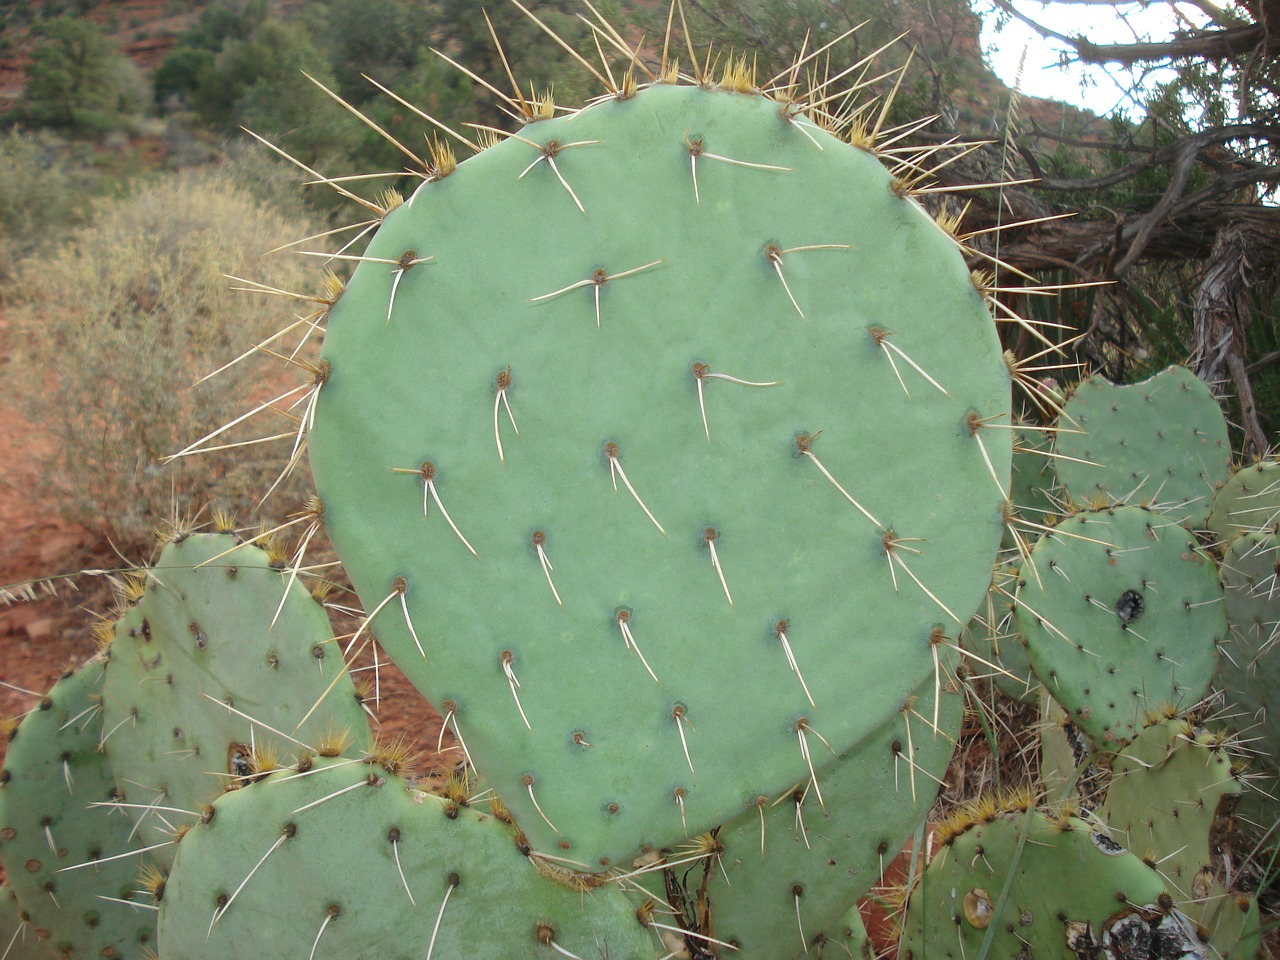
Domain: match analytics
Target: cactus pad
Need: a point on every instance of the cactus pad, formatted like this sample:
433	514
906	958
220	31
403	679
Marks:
1172	790
1053	888
1249	674
1123	616
390	873
792	868
18	936
725	378
1162	441
1249	502
200	641
51	835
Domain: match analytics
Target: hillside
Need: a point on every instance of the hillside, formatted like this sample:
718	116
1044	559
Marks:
147	30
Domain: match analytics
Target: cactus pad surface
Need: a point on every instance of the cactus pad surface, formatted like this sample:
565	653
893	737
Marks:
1162	441
52	837
1123	617
198	656
698	309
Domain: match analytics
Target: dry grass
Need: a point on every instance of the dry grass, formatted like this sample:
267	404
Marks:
113	329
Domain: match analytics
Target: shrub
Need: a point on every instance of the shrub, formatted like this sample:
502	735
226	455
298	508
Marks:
112	330
77	79
40	195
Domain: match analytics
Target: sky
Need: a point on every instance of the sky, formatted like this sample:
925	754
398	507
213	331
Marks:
1096	88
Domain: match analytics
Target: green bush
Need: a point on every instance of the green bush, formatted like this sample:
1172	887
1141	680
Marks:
40	195
77	79
113	328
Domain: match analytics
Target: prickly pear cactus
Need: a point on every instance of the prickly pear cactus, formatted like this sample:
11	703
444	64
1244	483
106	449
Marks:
1162	441
389	872
1013	884
622	427
1249	676
69	853
1122	616
1170	794
203	688
1248	503
779	879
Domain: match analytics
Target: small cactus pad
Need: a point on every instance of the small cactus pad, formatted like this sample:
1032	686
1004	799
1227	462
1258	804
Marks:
1162	441
1168	789
56	846
729	345
1052	888
1250	502
1172	790
1249	674
195	657
390	873
794	866
1122	616
851	935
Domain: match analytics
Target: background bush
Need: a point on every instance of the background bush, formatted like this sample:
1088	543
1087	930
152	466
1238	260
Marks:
111	330
41	195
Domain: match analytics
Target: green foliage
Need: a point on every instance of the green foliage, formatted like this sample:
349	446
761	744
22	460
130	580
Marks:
390	39
76	79
117	324
179	75
258	83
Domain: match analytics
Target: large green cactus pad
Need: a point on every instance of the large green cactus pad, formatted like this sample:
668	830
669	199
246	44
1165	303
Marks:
1162	441
52	836
1166	792
601	333
200	641
1123	616
344	860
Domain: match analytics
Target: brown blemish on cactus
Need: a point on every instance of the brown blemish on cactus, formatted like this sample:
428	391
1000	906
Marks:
239	761
978	908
